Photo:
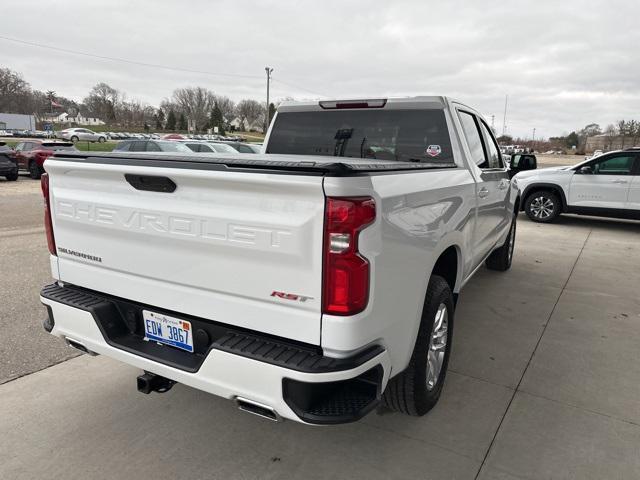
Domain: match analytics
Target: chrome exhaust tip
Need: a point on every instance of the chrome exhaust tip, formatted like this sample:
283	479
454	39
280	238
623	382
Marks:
258	409
79	346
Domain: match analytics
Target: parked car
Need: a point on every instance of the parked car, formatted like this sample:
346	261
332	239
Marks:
151	146
81	134
174	136
8	162
243	147
31	154
608	186
210	147
301	287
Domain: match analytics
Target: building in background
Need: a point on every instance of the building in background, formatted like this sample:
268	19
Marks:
609	142
17	121
70	120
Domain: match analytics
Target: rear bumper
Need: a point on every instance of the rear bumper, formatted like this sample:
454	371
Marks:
295	380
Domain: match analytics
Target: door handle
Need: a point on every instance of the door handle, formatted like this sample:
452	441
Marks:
483	192
618	181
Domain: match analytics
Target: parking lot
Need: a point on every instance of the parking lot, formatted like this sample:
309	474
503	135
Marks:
543	381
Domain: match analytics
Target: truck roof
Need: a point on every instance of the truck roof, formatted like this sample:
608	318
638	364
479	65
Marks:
418	102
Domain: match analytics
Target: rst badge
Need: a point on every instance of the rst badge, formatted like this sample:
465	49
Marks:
290	296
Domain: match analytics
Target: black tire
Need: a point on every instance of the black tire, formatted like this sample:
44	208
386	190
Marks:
408	392
101	139
35	171
542	206
74	139
12	177
501	258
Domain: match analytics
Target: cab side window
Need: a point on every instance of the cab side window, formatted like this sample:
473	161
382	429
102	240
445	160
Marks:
474	141
494	160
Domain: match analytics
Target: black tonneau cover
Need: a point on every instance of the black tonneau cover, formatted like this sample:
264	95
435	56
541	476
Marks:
259	162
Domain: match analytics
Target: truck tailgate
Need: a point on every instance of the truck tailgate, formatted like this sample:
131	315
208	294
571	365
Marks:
241	248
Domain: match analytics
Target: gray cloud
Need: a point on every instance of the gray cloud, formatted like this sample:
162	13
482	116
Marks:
563	64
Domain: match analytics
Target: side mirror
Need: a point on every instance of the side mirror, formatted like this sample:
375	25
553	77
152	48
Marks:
586	170
520	163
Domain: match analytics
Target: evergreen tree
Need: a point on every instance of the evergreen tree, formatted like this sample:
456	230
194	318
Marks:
171	121
216	119
182	123
159	120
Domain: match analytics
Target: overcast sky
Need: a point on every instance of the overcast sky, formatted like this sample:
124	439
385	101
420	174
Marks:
564	64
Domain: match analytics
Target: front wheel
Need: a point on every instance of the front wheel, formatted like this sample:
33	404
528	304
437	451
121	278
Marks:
417	389
542	206
501	258
101	139
12	177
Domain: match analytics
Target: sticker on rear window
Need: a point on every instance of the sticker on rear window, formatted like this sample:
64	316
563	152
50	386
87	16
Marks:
434	150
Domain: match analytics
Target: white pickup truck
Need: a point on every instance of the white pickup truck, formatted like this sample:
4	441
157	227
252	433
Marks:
310	282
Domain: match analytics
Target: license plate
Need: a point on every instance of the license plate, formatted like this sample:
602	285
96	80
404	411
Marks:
168	330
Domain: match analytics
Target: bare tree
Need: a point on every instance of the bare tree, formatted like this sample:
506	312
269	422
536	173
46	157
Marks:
227	107
611	134
633	127
195	103
622	131
250	112
14	92
103	102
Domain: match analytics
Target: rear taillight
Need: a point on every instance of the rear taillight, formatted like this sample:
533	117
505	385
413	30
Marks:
48	226
346	272
42	155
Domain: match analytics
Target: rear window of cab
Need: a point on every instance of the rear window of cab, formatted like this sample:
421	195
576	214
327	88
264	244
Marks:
390	135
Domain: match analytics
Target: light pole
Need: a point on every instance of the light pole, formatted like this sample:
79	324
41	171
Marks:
504	119
533	140
267	119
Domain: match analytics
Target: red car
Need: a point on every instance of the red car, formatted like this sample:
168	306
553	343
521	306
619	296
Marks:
31	154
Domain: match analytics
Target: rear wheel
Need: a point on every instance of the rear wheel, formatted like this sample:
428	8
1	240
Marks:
34	170
74	139
417	389
12	177
542	206
501	258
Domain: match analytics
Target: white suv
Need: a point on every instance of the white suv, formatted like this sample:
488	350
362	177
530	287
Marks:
608	185
77	134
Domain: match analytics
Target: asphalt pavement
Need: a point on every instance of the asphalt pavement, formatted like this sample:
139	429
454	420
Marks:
24	270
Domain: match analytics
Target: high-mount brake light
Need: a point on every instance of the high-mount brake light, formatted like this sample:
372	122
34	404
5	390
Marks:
48	225
346	272
342	104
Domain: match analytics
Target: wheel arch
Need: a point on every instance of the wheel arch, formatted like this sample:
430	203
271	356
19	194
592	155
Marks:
555	188
448	265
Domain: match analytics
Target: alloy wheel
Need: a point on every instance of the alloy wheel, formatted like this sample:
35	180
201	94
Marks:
437	346
542	207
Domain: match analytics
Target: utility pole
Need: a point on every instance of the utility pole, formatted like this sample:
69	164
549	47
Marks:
267	119
504	119
533	140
